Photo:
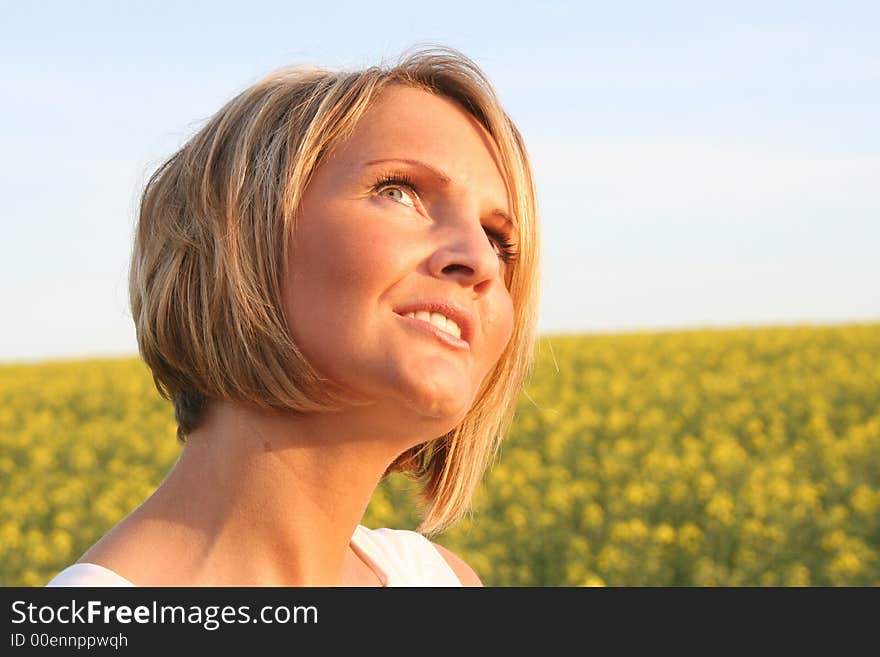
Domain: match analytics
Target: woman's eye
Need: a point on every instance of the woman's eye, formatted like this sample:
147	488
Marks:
400	195
399	187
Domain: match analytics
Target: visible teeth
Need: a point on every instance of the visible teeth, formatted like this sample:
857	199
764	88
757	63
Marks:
437	319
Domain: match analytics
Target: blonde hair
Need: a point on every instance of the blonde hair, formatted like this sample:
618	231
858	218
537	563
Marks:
211	244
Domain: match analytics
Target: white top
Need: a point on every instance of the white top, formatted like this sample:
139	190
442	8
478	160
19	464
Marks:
398	556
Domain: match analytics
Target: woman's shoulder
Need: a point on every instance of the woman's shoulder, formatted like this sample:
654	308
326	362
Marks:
464	572
404	557
415	558
88	574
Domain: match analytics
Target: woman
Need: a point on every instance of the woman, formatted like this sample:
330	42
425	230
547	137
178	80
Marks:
335	279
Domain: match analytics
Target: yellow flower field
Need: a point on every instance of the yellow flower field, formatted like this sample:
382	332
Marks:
715	457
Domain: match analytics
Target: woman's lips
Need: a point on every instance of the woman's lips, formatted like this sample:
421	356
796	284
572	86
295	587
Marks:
446	338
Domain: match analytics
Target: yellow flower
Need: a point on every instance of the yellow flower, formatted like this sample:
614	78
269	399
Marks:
798	575
593	516
593	581
845	566
864	501
721	507
690	537
664	534
633	530
705	485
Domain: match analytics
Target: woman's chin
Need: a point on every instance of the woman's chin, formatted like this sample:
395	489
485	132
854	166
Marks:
447	402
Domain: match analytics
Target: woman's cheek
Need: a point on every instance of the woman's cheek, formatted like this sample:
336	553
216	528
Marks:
501	323
388	256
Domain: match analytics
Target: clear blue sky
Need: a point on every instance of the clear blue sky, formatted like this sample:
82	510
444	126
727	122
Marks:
696	165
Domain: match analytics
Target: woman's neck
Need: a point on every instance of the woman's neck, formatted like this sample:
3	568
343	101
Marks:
265	499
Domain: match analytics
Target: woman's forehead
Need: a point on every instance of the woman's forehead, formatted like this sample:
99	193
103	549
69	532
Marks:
405	123
421	118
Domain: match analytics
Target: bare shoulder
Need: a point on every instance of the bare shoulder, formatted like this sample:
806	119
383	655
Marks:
465	573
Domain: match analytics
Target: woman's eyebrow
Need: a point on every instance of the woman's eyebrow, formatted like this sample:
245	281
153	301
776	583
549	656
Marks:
438	174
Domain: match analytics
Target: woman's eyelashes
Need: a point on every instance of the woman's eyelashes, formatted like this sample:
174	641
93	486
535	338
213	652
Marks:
401	188
396	183
508	252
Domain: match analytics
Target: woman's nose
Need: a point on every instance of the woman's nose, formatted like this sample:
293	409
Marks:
465	253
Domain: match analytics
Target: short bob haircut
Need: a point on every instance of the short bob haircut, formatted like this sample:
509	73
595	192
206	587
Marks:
211	244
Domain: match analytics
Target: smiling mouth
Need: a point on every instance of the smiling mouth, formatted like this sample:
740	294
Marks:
439	320
442	335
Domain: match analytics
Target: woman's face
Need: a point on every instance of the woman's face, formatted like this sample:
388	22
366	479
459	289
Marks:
364	251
